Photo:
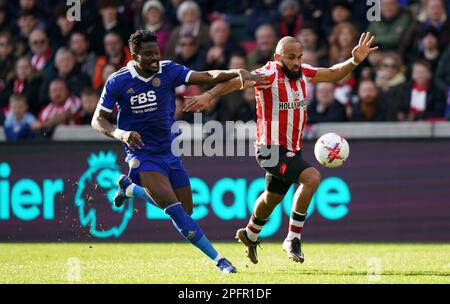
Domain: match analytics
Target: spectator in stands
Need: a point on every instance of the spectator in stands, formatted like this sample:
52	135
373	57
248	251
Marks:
247	111
33	5
7	57
27	22
132	13
2	119
66	69
108	70
153	14
18	121
221	47
395	21
190	54
62	109
5	24
389	79
291	19
89	101
428	48
42	55
116	53
231	104
260	13
344	89
390	74
310	40
442	77
109	22
171	8
342	40
86	59
340	11
436	20
25	82
419	98
60	35
324	107
266	41
369	105
189	15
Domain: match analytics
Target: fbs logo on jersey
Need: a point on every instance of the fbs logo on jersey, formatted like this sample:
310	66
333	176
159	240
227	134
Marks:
144	102
94	197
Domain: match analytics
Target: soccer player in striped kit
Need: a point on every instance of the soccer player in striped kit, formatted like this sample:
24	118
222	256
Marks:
281	118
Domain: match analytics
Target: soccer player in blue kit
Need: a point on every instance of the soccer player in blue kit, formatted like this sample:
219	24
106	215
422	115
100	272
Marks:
144	92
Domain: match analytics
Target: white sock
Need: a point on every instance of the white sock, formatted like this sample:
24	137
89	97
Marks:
129	190
254	227
296	222
217	259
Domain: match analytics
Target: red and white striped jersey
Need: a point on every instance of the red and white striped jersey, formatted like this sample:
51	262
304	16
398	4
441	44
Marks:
281	106
71	105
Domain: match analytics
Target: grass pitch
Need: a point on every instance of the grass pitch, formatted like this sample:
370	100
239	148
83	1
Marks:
181	263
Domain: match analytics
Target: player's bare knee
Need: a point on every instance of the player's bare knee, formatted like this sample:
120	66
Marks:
311	179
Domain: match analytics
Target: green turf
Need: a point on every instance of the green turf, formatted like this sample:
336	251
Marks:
181	263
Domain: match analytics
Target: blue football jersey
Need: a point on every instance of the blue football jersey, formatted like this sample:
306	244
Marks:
145	105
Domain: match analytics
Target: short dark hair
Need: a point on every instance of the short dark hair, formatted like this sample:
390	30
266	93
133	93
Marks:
101	4
28	13
88	91
61	11
17	97
140	37
423	63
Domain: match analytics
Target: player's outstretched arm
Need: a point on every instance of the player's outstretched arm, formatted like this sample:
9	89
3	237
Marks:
200	103
340	70
217	76
100	122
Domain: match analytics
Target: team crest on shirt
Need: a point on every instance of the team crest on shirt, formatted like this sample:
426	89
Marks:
156	82
290	154
130	91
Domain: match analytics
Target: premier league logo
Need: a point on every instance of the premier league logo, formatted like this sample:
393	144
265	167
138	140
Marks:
94	197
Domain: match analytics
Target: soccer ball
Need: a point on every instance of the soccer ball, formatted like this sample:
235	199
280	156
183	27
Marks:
331	150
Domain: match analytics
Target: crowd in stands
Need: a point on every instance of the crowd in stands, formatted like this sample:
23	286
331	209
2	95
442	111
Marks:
52	68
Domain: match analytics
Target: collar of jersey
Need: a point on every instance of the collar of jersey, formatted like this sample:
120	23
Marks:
135	74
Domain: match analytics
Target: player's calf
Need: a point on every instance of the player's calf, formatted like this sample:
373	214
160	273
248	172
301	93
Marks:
127	189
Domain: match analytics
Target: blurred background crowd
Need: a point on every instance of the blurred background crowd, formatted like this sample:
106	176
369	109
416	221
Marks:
52	70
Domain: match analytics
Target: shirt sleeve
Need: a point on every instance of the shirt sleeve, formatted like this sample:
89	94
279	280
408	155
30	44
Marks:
182	74
268	74
72	105
309	71
109	96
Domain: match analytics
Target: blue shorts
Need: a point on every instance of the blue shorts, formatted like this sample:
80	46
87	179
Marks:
168	164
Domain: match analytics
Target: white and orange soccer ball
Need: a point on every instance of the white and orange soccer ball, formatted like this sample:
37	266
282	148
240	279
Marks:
331	150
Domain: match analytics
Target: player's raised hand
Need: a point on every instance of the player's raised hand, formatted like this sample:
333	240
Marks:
197	103
364	47
133	140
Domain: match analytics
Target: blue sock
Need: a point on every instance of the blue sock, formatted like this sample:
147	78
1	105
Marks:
135	191
191	231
